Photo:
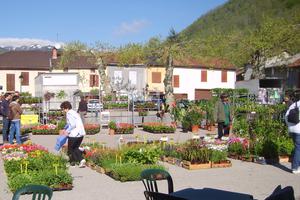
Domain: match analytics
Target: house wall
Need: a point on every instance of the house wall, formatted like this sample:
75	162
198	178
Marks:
190	79
136	75
156	87
25	88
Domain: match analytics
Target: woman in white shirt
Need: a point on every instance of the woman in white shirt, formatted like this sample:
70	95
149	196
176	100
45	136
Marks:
75	131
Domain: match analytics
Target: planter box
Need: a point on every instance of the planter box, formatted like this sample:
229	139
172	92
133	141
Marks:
223	164
173	161
63	187
284	159
190	166
96	167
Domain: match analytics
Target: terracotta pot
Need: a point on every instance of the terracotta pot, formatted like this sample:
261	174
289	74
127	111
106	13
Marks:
111	131
195	128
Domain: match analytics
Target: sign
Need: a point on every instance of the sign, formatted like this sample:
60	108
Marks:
29	119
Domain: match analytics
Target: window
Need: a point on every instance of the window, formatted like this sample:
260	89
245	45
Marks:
94	80
176	81
133	77
156	77
224	76
25	78
203	76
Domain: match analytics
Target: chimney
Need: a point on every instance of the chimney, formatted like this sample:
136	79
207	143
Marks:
54	53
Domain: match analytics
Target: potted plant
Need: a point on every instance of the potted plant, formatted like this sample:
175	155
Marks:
112	127
194	117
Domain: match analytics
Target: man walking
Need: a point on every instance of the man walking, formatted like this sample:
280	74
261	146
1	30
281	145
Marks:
82	108
222	116
4	111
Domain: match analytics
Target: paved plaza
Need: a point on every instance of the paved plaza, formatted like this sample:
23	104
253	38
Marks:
244	177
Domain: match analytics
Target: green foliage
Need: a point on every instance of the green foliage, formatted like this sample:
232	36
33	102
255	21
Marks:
44	177
218	156
270	149
236	149
147	155
195	152
112	125
94	92
61	94
244	31
112	105
286	146
130	171
158	128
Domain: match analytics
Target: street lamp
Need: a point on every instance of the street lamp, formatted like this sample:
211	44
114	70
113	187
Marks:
21	77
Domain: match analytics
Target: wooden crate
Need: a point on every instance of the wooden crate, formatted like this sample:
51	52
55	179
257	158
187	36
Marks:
188	165
224	164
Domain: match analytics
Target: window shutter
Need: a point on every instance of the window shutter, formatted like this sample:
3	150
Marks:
10	82
25	78
176	81
91	80
156	77
203	76
96	84
224	76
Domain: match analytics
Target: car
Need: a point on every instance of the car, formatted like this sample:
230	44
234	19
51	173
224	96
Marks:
94	105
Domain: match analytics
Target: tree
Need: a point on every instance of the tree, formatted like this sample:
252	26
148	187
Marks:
95	55
271	38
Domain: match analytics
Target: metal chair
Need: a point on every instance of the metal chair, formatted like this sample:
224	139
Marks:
39	192
150	176
160	196
279	193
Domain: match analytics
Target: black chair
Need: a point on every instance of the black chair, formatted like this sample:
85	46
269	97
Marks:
39	192
279	193
150	176
160	196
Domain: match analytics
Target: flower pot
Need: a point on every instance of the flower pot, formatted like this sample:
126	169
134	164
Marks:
111	131
195	128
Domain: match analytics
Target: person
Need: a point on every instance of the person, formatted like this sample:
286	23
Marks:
82	108
75	132
287	101
222	116
294	132
14	115
5	121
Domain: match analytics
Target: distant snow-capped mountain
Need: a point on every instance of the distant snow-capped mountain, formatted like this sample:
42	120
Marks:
24	44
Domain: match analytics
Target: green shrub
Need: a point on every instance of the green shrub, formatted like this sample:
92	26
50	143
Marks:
236	149
149	155
218	156
130	171
270	149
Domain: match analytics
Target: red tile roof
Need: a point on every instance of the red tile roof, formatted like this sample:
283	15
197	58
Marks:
25	60
207	63
295	63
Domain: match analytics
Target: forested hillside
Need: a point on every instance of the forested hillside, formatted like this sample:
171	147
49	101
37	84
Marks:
246	31
241	15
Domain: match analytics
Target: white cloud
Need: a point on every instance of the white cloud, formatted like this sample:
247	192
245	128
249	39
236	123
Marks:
17	42
133	27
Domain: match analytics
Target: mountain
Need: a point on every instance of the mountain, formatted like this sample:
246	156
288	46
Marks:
240	15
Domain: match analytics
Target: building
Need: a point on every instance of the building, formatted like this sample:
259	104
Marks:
30	64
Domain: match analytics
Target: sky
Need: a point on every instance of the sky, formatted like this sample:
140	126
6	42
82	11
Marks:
115	22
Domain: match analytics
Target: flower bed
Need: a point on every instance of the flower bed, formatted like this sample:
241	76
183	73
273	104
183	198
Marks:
156	127
33	164
196	154
124	164
92	129
121	128
46	129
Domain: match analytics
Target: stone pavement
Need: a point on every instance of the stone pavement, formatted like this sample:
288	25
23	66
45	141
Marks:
251	178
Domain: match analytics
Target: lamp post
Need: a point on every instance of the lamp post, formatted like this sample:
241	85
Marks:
21	77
